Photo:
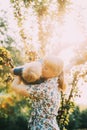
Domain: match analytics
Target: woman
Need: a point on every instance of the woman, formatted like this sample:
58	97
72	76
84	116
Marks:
44	92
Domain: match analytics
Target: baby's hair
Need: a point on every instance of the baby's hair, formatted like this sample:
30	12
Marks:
54	63
29	72
32	71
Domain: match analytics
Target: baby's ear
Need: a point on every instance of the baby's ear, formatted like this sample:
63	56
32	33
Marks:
32	71
31	77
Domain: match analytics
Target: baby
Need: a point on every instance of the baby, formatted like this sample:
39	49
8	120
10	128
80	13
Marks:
38	71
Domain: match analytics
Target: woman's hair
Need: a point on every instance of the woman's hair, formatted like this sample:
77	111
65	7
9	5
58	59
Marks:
61	82
53	67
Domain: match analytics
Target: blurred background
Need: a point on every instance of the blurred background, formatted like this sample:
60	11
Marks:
28	31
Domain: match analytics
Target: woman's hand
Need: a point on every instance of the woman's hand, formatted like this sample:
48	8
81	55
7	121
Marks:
19	87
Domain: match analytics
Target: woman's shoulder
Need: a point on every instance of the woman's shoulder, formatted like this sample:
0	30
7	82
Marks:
52	80
44	83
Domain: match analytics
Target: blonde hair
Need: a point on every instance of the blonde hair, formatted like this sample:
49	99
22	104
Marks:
54	64
32	71
53	67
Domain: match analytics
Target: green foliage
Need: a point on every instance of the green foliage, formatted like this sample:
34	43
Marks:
77	120
5	57
10	103
83	119
62	3
5	38
5	65
17	123
77	74
39	6
3	23
14	117
74	119
14	109
66	108
17	56
8	51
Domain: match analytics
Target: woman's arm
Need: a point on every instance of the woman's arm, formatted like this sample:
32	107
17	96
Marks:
25	90
16	81
19	88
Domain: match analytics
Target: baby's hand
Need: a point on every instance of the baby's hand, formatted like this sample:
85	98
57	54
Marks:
12	71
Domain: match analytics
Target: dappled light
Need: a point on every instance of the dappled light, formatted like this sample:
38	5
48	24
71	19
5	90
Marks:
30	30
63	31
